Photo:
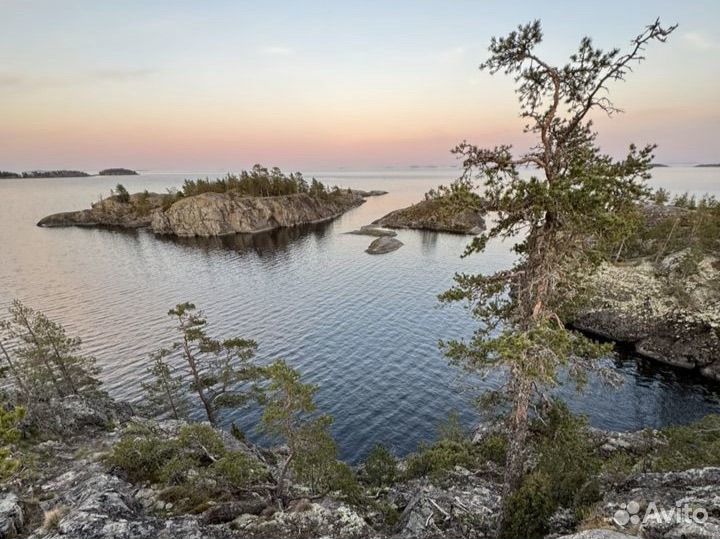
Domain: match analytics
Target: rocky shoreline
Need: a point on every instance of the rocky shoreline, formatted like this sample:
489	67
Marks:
75	491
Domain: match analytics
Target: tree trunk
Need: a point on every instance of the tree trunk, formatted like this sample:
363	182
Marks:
15	372
517	441
209	411
42	358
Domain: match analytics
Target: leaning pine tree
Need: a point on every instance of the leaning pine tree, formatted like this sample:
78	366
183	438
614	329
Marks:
563	216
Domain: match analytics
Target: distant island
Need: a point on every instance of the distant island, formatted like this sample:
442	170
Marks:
4	174
707	165
658	165
117	172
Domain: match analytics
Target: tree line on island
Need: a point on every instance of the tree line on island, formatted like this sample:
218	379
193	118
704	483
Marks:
4	174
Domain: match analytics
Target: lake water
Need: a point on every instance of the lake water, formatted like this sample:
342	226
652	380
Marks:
364	328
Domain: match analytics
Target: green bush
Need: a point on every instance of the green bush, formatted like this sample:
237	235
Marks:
122	193
691	446
529	508
565	475
440	457
494	448
193	468
380	467
9	434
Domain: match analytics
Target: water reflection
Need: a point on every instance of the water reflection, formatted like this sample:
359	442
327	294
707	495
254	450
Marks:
264	244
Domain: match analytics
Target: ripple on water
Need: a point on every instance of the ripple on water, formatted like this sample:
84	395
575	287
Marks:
364	328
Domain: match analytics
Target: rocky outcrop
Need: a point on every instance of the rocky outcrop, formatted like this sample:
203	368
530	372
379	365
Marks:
598	534
384	245
664	316
461	505
218	214
112	212
437	216
654	505
11	516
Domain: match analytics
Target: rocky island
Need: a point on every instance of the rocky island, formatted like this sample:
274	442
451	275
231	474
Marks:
117	172
435	214
255	201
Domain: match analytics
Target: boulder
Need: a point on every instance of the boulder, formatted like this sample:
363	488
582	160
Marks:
384	245
11	516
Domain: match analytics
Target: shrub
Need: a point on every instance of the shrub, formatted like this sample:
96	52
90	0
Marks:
530	507
122	194
9	434
440	457
494	448
193	468
380	467
565	474
691	446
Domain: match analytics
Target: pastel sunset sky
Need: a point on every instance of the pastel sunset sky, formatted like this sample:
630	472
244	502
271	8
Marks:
219	85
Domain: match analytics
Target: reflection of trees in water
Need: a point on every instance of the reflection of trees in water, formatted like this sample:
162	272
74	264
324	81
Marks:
670	395
428	240
267	243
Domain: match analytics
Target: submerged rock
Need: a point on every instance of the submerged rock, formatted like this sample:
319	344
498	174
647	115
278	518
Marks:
371	230
435	215
373	193
384	245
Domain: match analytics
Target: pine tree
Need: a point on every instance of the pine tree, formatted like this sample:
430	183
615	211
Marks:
42	358
220	372
290	414
166	390
574	203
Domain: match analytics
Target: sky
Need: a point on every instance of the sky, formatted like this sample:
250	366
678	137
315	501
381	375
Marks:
219	85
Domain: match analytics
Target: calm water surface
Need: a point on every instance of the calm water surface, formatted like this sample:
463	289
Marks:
364	328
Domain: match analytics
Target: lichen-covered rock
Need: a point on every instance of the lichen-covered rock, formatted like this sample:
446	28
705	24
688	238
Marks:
325	519
664	317
461	505
659	501
218	214
384	245
434	215
598	534
11	516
